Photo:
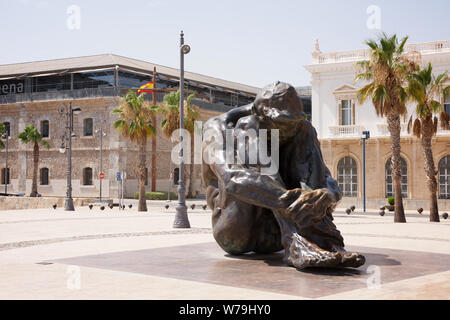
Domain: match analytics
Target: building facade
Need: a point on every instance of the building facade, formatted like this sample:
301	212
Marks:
33	93
340	120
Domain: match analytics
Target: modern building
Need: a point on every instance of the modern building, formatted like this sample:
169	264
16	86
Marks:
34	92
305	96
340	121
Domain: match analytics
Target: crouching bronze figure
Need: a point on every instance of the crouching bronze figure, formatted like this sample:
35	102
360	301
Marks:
258	209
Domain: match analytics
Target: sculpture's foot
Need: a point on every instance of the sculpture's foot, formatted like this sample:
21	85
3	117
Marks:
304	254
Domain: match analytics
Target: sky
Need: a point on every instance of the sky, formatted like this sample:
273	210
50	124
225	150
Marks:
247	41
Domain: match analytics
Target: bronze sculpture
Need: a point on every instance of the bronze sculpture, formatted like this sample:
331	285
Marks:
288	208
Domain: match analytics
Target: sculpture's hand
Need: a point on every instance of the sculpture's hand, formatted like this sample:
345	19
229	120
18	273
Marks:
290	197
312	202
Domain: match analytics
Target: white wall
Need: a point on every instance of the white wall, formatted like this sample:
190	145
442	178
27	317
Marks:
326	78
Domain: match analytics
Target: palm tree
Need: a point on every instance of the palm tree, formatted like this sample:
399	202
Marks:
32	135
170	109
2	131
135	123
424	88
386	72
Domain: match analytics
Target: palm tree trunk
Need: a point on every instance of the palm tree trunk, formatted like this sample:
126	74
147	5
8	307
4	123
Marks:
142	206
191	171
430	170
35	170
394	129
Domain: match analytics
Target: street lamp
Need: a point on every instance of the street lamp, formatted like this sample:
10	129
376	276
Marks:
66	143
181	218
365	136
7	174
101	176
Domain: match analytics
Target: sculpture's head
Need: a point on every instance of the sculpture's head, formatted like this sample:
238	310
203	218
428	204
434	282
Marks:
279	105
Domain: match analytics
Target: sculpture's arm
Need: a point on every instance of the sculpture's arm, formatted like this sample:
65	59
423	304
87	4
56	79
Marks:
249	185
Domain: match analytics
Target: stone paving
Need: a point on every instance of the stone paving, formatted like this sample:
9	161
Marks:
112	254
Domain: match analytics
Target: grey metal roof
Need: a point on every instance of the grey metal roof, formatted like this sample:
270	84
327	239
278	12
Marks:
103	61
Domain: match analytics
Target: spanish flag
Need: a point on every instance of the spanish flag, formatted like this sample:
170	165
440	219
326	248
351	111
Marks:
147	88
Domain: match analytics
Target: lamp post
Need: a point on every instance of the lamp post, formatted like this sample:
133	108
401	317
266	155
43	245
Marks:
181	218
102	134
68	111
365	135
7	174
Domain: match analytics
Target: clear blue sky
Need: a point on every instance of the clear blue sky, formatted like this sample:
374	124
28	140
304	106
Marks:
247	41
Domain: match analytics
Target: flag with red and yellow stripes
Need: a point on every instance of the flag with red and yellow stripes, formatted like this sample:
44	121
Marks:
147	88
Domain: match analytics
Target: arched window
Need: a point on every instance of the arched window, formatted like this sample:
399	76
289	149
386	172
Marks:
44	176
176	176
5	178
87	177
348	177
7	128
88	127
444	178
389	181
45	128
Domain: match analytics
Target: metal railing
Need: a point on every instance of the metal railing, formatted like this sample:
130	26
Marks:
383	130
352	131
87	93
57	95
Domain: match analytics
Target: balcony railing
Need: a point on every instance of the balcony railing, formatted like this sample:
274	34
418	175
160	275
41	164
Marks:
346	131
363	54
441	132
384	131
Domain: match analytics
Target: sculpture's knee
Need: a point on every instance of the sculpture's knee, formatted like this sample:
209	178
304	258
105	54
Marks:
234	246
232	229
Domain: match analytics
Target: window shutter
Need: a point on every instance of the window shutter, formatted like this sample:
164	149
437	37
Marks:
340	112
353	113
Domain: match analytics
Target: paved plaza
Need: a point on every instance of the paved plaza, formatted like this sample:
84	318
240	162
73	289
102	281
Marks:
112	254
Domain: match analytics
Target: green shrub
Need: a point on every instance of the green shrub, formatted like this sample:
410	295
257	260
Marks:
158	195
391	201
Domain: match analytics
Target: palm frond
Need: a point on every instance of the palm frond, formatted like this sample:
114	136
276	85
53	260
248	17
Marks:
135	118
446	92
45	144
364	76
364	92
30	135
409	125
417	128
435	124
401	46
435	106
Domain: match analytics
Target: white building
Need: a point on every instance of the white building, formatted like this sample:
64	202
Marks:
339	120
